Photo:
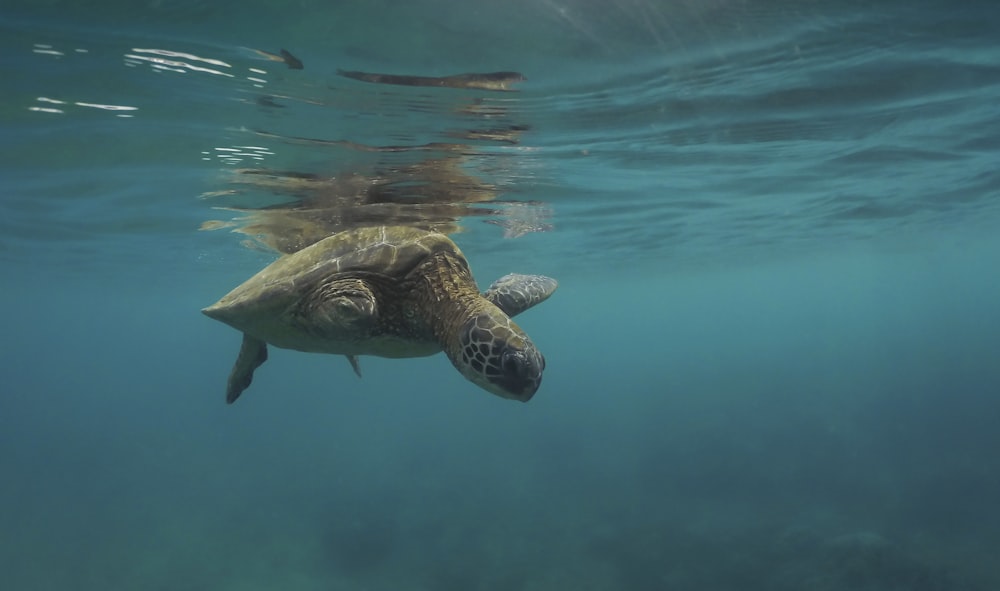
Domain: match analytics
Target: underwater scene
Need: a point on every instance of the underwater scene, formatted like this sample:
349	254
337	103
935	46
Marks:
533	295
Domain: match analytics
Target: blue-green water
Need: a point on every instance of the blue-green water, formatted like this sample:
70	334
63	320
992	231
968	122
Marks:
773	362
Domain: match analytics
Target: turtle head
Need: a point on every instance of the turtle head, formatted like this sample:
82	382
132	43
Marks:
495	354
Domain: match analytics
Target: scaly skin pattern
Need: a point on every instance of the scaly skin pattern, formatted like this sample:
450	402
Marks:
481	341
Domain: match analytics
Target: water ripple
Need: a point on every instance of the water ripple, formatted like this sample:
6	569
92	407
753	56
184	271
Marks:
657	131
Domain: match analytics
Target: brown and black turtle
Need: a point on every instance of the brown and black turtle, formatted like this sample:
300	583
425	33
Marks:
389	291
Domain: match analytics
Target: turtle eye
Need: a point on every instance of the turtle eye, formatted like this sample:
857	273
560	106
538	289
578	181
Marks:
514	363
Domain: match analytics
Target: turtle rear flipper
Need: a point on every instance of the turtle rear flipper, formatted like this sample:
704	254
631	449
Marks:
515	293
253	353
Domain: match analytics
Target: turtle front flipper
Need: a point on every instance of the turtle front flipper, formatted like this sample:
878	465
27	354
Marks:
515	293
253	353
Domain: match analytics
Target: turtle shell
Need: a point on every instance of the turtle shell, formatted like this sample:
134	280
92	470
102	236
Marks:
389	251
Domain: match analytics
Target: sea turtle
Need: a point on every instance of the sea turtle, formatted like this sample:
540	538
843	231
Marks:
390	291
